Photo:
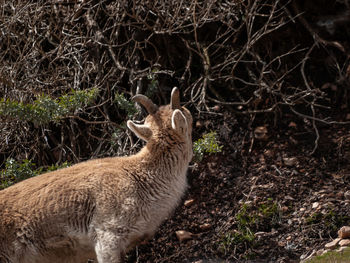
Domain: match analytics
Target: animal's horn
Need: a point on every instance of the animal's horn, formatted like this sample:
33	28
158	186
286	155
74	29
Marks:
175	99
146	102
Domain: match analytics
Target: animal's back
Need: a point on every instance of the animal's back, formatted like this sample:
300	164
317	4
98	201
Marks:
51	212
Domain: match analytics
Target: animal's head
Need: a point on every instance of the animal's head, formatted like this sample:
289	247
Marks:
170	123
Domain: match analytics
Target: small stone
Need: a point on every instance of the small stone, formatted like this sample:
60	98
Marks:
284	208
260	133
205	226
216	108
189	202
315	205
333	244
344	232
292	124
199	124
344	242
183	235
319	252
302	209
290	161
347	195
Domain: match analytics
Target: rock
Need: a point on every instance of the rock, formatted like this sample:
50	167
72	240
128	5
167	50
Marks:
183	235
333	244
189	202
216	108
315	205
292	124
347	195
199	124
344	232
205	226
319	252
260	133
284	208
291	161
344	242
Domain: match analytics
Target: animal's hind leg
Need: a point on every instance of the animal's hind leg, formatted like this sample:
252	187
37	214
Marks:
108	247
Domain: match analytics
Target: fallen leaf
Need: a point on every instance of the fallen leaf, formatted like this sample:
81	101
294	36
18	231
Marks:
183	235
189	202
205	226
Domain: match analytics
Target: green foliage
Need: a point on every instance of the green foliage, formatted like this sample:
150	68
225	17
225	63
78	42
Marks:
332	256
207	144
245	220
269	212
249	220
124	104
45	109
153	85
15	172
330	220
231	239
54	167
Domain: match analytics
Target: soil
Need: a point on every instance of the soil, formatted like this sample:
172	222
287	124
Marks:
266	199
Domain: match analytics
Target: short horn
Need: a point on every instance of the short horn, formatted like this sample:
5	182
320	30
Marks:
175	99
145	102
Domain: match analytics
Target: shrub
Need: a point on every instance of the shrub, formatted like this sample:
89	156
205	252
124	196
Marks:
207	144
46	109
125	104
16	171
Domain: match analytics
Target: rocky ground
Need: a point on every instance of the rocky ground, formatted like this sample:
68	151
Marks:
264	198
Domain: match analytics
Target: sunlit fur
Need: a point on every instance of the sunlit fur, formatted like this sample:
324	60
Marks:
100	208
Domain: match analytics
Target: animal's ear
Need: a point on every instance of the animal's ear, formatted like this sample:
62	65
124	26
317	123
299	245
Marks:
179	122
142	131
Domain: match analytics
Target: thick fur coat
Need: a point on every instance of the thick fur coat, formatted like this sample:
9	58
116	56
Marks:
100	208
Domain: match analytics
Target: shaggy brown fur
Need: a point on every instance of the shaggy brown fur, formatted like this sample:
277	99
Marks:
100	208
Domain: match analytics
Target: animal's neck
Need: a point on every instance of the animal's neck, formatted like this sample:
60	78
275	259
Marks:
164	154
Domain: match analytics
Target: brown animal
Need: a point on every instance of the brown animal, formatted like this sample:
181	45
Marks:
100	208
